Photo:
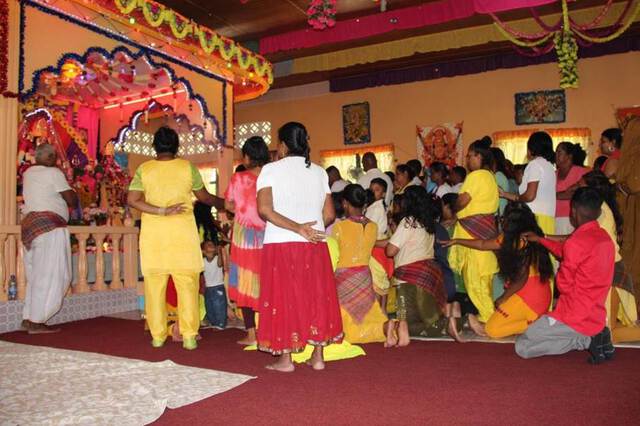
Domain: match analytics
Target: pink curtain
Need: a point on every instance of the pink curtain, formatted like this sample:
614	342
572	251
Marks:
379	23
89	119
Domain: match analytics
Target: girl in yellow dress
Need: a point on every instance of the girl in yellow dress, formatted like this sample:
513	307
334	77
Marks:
362	317
476	207
169	242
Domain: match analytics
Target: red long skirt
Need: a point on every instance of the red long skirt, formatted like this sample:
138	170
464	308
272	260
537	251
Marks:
298	298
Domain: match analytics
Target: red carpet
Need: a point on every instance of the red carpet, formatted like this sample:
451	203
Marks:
428	382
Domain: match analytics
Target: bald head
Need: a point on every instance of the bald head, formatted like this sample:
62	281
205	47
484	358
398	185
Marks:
369	161
46	155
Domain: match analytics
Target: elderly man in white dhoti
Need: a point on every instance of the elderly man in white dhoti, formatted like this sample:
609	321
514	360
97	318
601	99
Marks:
47	246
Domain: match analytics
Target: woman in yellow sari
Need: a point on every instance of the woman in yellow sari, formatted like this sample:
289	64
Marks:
169	242
476	207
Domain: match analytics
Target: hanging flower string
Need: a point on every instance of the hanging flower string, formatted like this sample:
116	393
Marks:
321	14
566	35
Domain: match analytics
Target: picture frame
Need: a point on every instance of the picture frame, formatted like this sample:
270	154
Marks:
544	106
356	123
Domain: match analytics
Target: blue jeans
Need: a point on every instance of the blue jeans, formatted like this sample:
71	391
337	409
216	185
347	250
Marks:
215	300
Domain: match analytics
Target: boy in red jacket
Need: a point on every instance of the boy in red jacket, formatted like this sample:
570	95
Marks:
583	281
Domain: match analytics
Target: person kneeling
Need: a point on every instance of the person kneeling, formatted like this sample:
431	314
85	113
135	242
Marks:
526	268
583	281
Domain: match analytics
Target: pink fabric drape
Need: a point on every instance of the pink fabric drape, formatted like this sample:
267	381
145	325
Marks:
379	23
89	119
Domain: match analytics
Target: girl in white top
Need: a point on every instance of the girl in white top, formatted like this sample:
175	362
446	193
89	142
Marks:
439	174
412	245
538	187
298	297
377	211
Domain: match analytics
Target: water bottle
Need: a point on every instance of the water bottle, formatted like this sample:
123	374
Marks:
12	292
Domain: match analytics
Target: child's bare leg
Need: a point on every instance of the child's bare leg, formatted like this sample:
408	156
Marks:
317	358
403	334
283	364
391	331
476	325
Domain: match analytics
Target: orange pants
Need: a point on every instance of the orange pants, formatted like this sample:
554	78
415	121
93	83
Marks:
512	317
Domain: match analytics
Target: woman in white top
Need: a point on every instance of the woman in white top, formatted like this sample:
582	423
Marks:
421	295
298	297
538	187
439	174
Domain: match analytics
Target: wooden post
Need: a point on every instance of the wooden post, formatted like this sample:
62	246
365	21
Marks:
21	276
99	285
116	282
3	269
82	286
130	257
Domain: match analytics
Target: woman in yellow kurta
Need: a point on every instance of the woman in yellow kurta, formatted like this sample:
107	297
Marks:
362	317
476	208
169	242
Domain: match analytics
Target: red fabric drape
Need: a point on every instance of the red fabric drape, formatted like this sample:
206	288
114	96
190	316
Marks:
379	23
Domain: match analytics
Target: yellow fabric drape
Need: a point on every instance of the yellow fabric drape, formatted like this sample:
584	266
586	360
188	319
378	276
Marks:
345	159
514	143
437	42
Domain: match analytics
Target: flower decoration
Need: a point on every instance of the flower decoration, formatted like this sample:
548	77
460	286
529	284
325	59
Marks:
566	35
321	14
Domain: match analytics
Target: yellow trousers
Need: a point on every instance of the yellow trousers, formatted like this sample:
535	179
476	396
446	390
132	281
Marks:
480	291
155	303
511	318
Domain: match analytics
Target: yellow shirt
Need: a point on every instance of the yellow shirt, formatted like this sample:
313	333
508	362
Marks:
355	242
608	223
482	187
169	244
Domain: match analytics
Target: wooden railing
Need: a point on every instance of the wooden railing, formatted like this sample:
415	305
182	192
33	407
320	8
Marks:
123	240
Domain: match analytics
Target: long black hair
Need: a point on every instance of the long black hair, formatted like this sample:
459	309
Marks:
355	195
614	135
598	181
256	149
500	161
514	258
417	208
294	135
540	144
202	213
166	140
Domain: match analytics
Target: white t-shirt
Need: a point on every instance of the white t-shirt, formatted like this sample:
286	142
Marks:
541	171
213	274
443	189
371	174
456	188
378	214
298	193
41	191
414	243
416	181
339	185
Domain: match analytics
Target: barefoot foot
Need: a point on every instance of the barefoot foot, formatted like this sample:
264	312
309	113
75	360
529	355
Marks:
452	330
391	331
476	326
283	364
403	334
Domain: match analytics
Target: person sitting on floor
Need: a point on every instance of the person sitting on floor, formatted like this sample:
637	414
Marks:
47	255
363	320
526	268
583	281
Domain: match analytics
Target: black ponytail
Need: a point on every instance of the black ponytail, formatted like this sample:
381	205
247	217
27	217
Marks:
294	135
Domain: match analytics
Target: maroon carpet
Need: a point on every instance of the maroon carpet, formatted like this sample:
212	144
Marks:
435	382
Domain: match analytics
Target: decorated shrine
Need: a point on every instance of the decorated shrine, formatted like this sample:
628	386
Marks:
111	74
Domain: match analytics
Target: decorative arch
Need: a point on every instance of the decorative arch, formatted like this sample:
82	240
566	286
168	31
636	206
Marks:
88	66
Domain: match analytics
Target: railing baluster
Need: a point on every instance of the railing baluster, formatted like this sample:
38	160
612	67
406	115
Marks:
116	282
99	285
82	286
21	275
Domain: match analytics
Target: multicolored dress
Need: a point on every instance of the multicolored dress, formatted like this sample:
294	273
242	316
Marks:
246	241
362	317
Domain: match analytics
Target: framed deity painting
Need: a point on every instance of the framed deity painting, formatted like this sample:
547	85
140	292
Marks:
356	123
545	106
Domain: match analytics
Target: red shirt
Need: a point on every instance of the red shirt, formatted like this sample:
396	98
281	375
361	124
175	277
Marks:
584	277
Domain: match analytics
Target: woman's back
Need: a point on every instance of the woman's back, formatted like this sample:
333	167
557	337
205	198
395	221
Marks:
356	241
298	193
168	182
541	171
242	191
482	187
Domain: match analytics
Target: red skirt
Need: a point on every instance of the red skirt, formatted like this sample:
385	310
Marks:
298	298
